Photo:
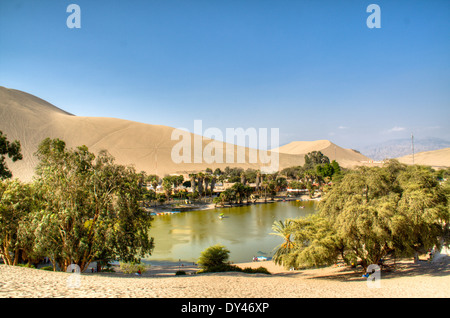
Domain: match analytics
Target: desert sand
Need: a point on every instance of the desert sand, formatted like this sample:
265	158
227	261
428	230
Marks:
436	158
426	279
29	119
346	157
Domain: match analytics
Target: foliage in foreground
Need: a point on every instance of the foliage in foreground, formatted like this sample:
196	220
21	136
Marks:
80	208
180	273
371	213
234	268
214	259
130	268
214	256
10	149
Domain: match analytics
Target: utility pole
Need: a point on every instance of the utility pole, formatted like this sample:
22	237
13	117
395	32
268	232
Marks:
412	143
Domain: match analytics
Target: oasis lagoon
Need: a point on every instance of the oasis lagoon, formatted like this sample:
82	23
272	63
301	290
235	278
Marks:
244	230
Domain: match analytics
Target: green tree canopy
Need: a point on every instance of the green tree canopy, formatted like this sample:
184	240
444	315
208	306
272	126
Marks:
213	256
315	158
370	213
91	208
10	149
16	202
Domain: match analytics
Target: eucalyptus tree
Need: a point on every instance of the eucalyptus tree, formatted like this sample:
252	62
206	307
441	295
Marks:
10	149
16	202
281	183
371	213
218	172
314	158
153	179
92	207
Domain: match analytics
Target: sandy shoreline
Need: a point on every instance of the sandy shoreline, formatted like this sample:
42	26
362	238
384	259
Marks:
426	279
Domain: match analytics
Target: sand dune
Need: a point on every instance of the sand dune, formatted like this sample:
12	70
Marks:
345	157
29	119
436	158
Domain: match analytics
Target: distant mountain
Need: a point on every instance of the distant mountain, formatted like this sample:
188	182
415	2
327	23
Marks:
402	147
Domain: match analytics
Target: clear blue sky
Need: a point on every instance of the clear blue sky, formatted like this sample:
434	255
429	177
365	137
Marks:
312	68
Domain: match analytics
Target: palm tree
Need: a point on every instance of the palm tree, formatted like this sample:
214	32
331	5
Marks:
192	176
248	191
167	186
258	180
283	230
281	183
265	185
300	174
213	183
243	181
228	196
207	182
239	188
200	178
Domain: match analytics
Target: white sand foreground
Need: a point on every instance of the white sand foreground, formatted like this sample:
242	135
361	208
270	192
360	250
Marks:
426	280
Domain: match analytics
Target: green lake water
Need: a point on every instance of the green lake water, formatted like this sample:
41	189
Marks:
244	231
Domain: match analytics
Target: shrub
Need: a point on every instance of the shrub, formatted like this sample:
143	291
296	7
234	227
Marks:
26	265
259	270
221	268
214	259
129	268
234	268
180	273
213	256
47	268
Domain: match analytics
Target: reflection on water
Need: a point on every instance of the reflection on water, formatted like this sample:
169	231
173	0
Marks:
244	231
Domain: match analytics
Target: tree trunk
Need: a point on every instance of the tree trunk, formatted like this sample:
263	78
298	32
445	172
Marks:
16	257
213	184
5	252
193	184
6	257
53	263
206	185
